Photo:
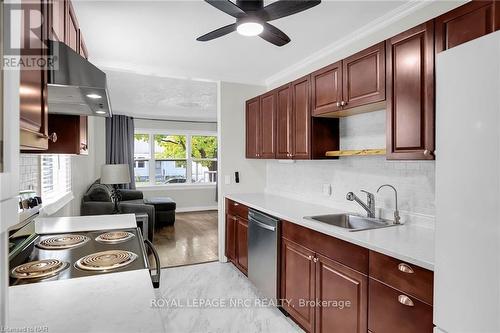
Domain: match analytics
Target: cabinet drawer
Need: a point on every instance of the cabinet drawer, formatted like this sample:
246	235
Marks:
236	209
387	313
408	278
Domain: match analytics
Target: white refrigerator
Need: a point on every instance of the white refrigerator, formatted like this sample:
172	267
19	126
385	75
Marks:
467	267
9	160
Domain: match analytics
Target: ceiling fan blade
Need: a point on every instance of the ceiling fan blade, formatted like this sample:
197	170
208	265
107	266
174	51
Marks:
217	33
284	8
227	7
274	35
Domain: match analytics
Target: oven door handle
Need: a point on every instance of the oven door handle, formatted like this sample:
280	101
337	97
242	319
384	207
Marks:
155	278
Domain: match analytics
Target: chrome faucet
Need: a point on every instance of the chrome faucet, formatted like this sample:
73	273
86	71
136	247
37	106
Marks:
369	206
397	218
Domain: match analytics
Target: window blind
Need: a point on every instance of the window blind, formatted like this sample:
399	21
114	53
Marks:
56	177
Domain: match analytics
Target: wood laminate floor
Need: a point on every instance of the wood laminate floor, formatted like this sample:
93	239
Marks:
192	239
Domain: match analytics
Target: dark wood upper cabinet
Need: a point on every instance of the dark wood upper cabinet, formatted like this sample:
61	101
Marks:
68	134
297	282
33	107
301	143
364	77
467	22
72	28
326	89
410	94
268	125
335	281
284	122
253	128
57	20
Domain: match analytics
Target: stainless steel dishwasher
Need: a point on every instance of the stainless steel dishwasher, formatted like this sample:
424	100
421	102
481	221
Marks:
263	252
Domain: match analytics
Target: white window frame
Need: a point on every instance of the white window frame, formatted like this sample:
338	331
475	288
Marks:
57	198
189	158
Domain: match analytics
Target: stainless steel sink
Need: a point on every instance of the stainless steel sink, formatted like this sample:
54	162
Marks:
352	222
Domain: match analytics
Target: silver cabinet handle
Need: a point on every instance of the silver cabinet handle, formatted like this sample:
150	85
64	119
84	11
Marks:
405	268
154	278
338	104
343	103
428	152
310	258
236	204
53	137
405	300
315	259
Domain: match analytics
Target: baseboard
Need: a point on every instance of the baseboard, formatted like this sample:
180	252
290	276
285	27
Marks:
195	209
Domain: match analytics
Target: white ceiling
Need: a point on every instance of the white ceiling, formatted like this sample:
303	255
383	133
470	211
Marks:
155	97
159	37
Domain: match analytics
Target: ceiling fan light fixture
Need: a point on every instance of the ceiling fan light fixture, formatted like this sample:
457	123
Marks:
250	28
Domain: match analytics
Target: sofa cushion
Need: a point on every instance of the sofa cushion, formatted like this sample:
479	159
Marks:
161	203
99	192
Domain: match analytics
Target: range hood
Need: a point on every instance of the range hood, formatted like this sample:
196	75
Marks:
75	86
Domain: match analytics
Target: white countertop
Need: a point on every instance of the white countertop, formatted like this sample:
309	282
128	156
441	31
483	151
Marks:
117	302
410	243
51	225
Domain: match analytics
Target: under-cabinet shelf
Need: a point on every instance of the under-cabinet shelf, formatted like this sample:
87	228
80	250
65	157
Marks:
359	152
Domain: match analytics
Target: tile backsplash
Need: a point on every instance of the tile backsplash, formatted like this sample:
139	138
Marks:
414	180
29	173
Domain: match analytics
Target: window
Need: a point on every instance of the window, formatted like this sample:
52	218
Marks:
56	177
176	158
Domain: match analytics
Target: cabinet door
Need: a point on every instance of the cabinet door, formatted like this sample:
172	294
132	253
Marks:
57	20
301	143
268	125
297	282
467	22
284	122
33	106
72	29
410	94
84	140
364	77
326	89
231	237
336	282
242	244
252	128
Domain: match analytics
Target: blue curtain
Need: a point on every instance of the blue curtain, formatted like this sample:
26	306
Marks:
120	143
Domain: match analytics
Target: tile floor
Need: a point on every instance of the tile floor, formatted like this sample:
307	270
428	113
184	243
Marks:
212	282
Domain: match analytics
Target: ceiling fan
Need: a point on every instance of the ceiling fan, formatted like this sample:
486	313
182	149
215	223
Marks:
252	17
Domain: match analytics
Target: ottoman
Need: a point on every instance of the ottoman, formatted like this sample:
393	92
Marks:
164	210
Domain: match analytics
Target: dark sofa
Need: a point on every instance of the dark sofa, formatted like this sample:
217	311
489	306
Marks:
97	201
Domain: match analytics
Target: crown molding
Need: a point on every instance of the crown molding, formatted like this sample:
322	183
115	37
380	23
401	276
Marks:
373	27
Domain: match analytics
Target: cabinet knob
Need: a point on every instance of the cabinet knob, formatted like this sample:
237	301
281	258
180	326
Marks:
428	152
83	146
310	258
236	204
315	259
405	300
234	218
53	137
343	103
338	104
405	268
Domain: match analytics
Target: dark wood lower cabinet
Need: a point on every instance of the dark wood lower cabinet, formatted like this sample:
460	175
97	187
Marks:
390	310
242	244
297	282
231	237
347	292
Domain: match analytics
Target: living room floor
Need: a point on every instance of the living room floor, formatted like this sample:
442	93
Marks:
191	240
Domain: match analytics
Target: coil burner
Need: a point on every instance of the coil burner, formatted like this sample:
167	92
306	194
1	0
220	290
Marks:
106	260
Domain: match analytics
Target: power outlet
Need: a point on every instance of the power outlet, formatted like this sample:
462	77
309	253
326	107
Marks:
327	190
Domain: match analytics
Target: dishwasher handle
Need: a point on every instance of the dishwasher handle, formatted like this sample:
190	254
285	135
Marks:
154	278
263	225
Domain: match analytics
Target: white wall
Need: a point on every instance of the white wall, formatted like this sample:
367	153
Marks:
187	198
231	116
